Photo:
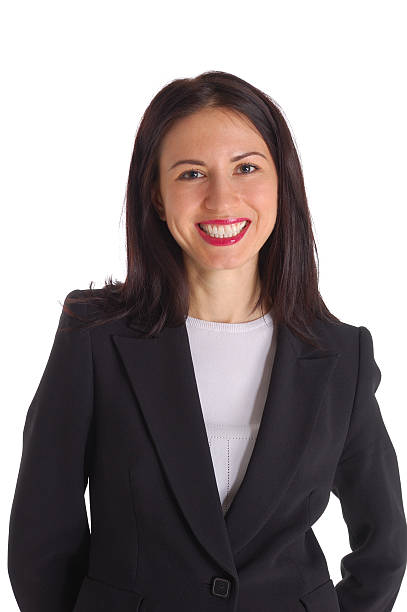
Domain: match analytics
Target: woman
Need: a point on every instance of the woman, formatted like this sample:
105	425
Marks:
211	400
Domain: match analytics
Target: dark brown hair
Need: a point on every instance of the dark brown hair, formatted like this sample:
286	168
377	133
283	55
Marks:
155	292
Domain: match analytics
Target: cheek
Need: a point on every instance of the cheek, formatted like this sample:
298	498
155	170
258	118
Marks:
180	204
266	208
180	227
262	194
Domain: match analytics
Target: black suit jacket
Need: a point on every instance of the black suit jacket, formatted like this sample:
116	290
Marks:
123	413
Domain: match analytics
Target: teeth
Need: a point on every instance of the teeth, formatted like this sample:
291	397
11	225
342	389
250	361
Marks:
224	231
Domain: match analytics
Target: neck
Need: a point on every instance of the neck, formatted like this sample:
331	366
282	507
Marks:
222	312
224	295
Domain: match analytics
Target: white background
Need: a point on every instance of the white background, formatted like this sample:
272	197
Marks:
76	78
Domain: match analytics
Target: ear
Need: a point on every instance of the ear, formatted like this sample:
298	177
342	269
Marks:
157	203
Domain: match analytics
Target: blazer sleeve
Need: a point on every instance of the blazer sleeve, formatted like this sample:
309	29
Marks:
367	483
49	535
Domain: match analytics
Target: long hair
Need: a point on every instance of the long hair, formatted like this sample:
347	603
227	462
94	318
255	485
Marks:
155	292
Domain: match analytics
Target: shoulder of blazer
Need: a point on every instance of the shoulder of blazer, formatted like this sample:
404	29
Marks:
84	307
336	335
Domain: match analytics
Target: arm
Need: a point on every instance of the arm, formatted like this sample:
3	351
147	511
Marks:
49	534
367	483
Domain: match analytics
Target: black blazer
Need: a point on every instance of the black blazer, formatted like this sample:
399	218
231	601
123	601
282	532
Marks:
123	413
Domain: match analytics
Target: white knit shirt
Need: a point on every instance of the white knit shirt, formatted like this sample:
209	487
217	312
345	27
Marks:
232	364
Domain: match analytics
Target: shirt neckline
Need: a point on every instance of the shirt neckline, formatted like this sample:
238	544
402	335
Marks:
264	321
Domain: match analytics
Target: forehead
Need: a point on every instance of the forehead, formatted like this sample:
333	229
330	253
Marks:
208	128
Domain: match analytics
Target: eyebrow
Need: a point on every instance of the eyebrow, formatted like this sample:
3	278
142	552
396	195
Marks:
197	162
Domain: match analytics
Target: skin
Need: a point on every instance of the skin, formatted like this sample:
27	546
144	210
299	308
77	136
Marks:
224	280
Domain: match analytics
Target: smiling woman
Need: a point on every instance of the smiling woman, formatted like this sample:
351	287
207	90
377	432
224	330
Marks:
203	211
211	151
211	401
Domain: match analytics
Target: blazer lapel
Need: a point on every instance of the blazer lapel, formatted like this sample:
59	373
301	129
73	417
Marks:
161	374
298	382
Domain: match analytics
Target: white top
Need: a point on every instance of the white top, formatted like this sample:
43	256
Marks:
232	364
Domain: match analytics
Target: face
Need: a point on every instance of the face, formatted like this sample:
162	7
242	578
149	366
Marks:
201	181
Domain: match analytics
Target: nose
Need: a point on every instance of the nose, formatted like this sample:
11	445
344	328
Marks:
221	195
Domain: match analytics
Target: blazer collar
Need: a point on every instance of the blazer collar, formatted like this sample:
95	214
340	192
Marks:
161	374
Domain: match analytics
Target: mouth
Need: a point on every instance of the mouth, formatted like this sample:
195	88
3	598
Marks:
224	228
225	234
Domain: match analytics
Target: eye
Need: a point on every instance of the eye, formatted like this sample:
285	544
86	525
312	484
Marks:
183	177
248	166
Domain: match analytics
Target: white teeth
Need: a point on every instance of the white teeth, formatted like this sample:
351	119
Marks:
224	231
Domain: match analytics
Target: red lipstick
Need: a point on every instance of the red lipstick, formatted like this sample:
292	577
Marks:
223	241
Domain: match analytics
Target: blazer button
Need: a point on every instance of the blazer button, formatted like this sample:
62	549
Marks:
220	587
